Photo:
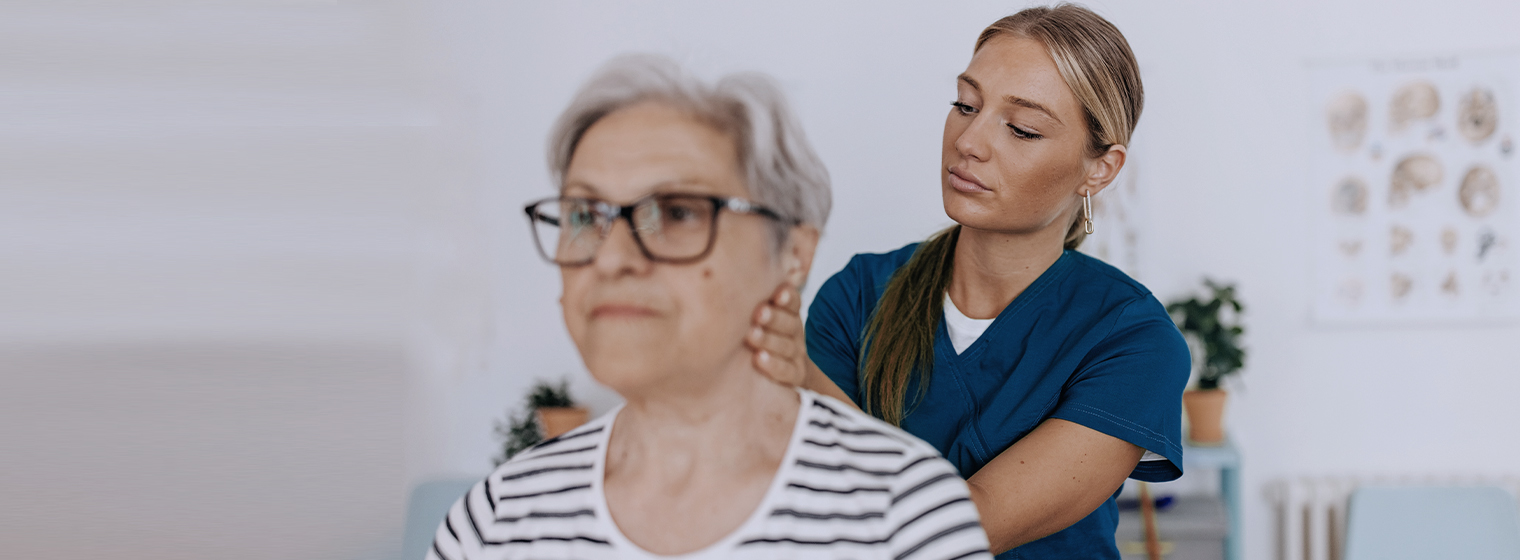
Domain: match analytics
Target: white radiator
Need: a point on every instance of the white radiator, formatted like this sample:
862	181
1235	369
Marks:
1311	512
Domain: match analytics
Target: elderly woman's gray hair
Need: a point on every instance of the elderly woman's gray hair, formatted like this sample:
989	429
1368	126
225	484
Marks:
778	164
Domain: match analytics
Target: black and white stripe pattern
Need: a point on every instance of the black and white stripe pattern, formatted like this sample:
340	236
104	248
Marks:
853	487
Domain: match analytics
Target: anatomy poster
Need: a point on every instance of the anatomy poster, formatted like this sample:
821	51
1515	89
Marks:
1413	189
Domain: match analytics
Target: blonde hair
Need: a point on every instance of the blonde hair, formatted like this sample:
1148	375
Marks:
1096	63
1098	66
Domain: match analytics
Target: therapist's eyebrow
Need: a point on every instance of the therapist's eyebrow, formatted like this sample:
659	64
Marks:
1013	99
1016	100
969	82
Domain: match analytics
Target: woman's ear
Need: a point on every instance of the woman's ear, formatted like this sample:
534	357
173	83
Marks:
797	255
1102	170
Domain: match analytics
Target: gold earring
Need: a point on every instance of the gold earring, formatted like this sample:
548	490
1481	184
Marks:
1087	212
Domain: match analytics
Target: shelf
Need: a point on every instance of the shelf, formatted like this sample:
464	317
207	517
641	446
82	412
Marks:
1191	529
1211	457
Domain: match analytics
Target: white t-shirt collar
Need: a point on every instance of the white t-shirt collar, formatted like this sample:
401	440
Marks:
963	330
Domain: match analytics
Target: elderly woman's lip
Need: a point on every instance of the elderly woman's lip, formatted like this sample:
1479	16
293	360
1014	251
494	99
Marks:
622	310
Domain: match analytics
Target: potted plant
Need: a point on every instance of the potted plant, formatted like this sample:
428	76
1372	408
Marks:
556	411
1205	324
550	411
518	433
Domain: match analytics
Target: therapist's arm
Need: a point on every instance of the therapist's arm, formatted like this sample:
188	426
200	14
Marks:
1052	478
818	382
780	349
1056	475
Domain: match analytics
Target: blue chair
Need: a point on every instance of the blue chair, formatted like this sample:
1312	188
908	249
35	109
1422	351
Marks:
430	501
1419	522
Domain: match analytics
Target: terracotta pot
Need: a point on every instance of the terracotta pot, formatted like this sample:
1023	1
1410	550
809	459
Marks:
559	420
1205	410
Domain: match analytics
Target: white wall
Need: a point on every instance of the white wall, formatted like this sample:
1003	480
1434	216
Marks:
279	242
1219	156
208	269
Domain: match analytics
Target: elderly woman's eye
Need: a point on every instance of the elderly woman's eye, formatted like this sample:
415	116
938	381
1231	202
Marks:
681	212
579	219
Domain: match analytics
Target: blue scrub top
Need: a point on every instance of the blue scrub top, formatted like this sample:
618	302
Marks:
1083	343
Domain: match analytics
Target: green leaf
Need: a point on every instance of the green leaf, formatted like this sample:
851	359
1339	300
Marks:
1220	339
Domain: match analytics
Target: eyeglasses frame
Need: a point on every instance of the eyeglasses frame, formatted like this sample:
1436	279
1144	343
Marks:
625	212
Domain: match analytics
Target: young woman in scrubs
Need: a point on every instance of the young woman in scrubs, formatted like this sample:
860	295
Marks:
1046	376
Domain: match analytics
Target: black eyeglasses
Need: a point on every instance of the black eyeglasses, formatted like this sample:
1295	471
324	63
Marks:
669	228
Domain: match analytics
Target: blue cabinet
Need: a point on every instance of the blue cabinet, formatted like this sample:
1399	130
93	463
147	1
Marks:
1226	459
1194	527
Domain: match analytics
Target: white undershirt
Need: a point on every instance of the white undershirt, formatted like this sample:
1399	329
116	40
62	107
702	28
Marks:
965	330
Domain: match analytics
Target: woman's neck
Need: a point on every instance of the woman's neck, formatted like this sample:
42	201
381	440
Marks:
993	268
733	419
687	464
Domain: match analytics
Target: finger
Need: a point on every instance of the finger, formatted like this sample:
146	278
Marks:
786	324
784	306
780	292
785	372
766	365
789	298
763	313
783	347
755	338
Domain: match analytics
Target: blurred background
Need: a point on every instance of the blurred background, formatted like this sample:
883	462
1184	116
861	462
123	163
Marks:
263	267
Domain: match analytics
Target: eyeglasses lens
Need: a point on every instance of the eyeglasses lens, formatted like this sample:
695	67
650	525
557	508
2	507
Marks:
669	227
567	230
674	227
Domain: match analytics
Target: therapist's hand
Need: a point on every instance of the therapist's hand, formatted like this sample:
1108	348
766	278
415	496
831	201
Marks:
780	351
780	346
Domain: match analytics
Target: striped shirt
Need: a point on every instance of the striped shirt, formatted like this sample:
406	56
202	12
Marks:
850	486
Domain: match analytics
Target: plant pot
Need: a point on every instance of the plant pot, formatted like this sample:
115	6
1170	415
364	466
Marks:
558	420
1205	410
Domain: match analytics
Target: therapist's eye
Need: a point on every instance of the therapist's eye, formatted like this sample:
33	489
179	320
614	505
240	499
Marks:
1025	134
963	108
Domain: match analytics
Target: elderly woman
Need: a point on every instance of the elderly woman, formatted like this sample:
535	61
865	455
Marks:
681	208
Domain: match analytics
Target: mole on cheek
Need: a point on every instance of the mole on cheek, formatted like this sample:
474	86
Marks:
707	273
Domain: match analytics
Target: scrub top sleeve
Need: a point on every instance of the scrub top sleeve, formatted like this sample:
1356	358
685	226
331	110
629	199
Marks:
1130	387
833	327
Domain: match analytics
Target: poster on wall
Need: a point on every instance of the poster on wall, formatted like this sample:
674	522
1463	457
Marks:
1414	189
